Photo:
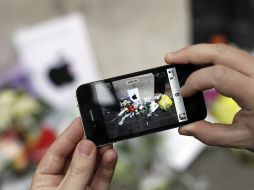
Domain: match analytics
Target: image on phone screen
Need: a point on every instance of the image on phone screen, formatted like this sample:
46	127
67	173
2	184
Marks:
140	103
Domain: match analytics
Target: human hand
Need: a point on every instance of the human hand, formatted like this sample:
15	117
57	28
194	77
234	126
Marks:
231	72
75	164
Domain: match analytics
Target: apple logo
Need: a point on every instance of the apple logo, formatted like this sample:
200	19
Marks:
134	97
59	74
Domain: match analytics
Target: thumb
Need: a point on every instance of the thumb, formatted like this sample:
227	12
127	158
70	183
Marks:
216	134
81	167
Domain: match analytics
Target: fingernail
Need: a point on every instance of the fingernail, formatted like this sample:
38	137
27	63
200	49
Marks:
168	55
182	90
85	147
186	130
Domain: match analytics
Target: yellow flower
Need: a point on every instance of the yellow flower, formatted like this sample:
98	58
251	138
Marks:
165	102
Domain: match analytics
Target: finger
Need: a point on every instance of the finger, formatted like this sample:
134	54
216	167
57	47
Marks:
102	149
46	181
217	54
105	171
100	152
225	80
54	160
218	134
81	167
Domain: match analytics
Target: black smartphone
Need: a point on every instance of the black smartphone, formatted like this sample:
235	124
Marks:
139	103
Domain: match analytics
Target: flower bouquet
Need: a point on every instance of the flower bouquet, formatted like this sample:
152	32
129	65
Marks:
22	135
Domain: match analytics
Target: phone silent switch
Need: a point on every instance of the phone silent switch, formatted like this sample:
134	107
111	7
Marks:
91	116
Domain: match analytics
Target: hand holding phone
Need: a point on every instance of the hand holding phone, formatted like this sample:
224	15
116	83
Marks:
137	104
72	162
231	72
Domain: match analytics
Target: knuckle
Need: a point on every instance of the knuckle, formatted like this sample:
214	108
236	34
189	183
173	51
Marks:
219	72
209	140
77	171
104	176
220	48
206	136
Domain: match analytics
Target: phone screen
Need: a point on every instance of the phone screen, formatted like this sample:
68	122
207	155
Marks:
136	104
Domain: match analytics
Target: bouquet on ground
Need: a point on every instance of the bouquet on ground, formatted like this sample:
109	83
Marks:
144	108
22	134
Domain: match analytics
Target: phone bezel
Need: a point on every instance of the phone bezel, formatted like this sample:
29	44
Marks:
96	130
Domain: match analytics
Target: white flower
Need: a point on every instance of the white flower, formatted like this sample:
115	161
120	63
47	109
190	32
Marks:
25	106
7	99
16	106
